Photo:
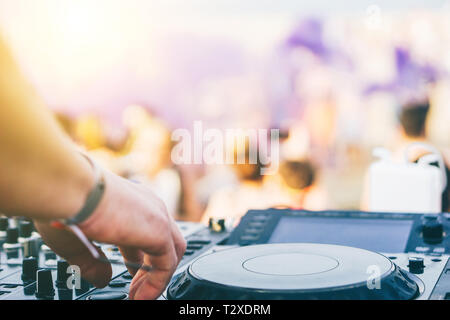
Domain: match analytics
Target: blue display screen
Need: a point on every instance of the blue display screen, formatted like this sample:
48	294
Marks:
379	235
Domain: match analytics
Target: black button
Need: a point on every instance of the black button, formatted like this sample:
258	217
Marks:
50	255
244	242
199	241
194	247
10	286
127	276
117	284
189	253
108	295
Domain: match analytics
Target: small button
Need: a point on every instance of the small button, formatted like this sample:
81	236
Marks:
422	249
434	254
10	286
127	276
439	250
244	243
199	241
117	284
194	247
189	253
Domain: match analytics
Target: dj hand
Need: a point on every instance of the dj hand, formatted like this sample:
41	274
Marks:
133	218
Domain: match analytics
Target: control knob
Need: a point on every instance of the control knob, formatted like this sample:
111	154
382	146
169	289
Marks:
25	229
4	224
29	269
12	236
432	231
416	265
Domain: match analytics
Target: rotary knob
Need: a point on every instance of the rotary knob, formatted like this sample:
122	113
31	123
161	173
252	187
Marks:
4	224
12	235
25	229
29	269
416	265
44	285
12	246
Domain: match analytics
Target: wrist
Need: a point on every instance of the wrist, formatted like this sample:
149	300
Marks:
92	198
94	225
71	184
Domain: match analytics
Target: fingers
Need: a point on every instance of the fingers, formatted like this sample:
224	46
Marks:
178	240
136	220
133	255
150	285
96	272
66	245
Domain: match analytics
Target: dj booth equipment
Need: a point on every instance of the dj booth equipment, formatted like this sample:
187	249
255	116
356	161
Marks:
276	254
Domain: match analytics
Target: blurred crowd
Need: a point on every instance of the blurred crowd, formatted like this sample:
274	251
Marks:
332	103
141	152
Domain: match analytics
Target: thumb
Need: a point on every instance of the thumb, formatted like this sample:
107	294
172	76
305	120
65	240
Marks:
65	244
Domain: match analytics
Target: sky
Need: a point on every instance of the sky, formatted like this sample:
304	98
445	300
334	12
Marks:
88	54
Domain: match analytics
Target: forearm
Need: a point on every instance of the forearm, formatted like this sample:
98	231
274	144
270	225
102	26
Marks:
41	174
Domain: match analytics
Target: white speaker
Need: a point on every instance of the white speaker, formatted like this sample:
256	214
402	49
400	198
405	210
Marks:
403	186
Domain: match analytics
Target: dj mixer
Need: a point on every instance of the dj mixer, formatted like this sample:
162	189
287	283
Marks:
272	254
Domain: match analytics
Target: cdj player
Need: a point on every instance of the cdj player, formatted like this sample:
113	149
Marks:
272	254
